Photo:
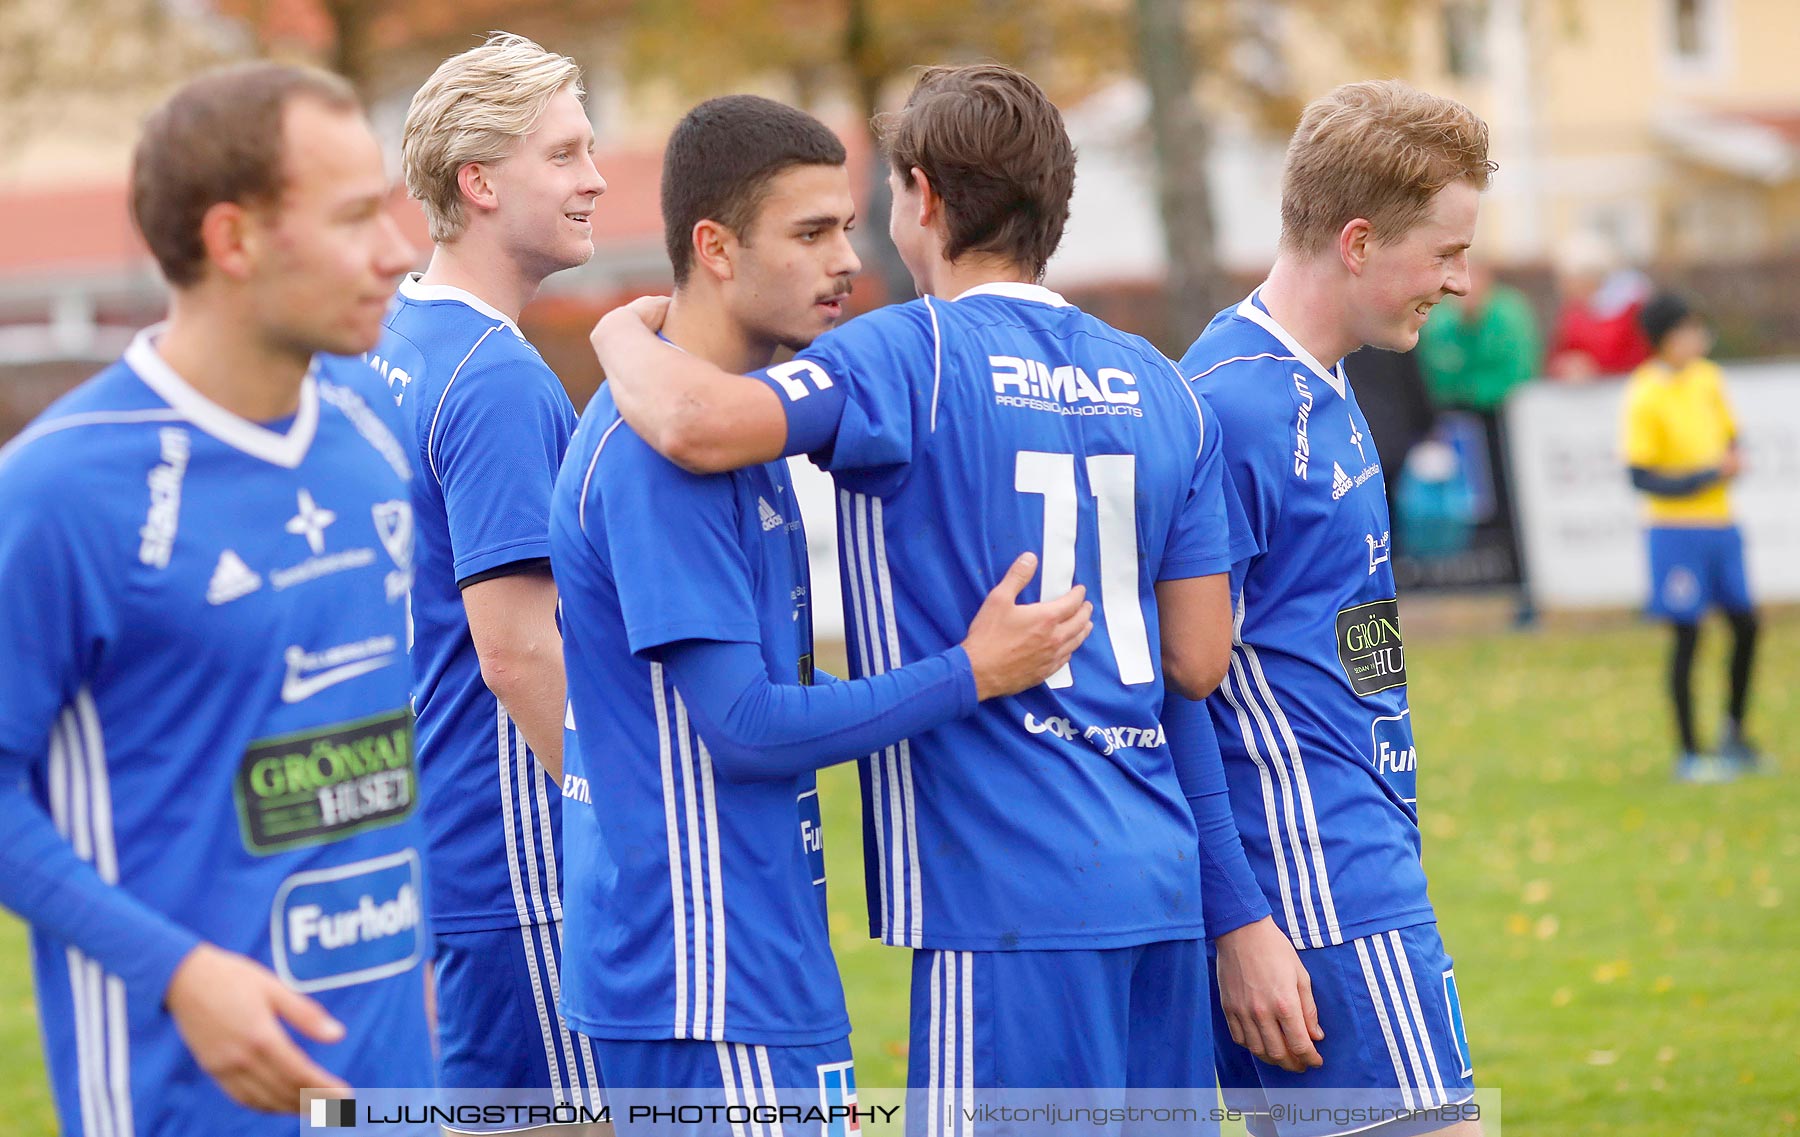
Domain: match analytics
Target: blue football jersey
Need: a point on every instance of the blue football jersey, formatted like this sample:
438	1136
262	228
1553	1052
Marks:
488	424
204	623
971	431
1312	719
695	904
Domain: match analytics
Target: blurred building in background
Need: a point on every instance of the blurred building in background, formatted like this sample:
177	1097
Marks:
1667	130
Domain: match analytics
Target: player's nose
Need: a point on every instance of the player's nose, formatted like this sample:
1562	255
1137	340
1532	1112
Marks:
846	263
592	182
1457	283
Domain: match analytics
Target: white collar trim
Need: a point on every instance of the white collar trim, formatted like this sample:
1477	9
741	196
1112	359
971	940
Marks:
252	438
1015	290
1249	310
412	289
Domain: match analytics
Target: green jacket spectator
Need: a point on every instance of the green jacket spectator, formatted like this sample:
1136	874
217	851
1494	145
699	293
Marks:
1474	350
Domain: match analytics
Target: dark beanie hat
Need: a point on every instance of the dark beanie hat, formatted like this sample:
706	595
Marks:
1662	314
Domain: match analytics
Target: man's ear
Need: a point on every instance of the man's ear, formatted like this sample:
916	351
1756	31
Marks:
476	184
231	239
715	248
931	205
1354	240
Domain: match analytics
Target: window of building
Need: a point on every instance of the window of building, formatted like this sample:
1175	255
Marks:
1465	41
1695	34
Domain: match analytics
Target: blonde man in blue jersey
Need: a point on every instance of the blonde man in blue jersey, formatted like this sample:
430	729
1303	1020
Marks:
499	152
1379	197
1680	442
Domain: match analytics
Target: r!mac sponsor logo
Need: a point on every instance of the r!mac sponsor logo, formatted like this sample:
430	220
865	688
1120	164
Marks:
1063	388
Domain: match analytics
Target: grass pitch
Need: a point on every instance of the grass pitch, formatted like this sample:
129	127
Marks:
1627	949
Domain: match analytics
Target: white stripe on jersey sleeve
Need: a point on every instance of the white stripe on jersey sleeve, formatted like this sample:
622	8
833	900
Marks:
695	853
677	893
431	434
937	359
915	926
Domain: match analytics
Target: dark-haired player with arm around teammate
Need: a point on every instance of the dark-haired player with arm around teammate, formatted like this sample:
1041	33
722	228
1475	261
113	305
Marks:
991	415
700	961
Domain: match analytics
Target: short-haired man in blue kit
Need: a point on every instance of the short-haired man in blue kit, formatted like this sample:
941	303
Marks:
210	801
1054	860
1379	199
699	958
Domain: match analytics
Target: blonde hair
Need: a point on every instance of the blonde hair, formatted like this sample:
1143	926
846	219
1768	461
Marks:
475	108
1379	150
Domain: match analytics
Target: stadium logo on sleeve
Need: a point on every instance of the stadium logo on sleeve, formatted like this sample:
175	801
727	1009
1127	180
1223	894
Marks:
1302	443
164	516
1369	647
1066	389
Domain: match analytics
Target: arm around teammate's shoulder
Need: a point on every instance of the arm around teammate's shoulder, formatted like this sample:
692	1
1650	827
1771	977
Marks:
697	415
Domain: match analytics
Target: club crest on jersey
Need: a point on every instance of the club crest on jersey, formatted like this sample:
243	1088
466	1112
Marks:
1302	444
1064	389
1378	549
394	526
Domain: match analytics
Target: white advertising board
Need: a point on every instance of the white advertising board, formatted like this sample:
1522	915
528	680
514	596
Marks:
1581	522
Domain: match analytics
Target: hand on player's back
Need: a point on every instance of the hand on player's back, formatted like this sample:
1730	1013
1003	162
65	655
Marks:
229	1010
1013	646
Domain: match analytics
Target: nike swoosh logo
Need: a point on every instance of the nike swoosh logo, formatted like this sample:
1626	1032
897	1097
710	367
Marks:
294	689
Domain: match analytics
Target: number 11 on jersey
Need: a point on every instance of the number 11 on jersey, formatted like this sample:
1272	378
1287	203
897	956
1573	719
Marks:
1112	479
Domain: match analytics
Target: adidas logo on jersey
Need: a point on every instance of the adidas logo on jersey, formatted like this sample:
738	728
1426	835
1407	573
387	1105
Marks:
231	579
770	519
1340	482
